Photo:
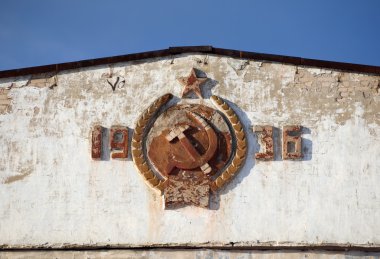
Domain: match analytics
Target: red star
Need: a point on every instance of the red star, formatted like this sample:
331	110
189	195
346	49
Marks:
192	83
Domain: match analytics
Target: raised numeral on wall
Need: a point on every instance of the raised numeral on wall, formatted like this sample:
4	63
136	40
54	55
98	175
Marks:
106	143
291	142
265	138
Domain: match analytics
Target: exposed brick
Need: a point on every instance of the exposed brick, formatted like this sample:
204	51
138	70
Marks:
5	101
343	89
367	94
43	80
342	100
362	88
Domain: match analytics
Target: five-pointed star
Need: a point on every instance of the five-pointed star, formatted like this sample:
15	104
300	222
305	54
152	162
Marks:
192	83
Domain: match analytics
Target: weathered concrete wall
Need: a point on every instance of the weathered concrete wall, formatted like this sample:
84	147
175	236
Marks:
53	194
188	254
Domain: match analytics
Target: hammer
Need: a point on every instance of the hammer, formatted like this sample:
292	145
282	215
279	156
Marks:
178	132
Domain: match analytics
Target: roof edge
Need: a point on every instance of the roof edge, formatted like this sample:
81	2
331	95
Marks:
192	49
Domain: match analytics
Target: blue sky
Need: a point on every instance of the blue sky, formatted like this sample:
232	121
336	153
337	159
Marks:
44	32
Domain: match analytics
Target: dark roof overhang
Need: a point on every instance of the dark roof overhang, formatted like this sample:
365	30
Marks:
193	49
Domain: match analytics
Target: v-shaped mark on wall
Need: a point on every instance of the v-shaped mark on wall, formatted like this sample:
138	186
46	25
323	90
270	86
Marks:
119	82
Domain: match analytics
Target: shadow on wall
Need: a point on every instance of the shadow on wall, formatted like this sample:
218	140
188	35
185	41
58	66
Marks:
248	164
307	145
254	147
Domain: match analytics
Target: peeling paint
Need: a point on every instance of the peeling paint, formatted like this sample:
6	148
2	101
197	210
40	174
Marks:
43	80
15	178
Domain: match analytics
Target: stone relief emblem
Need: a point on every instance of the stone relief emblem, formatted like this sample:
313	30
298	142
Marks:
188	150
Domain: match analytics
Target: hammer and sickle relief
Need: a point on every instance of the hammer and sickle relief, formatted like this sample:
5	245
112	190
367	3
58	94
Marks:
191	158
189	150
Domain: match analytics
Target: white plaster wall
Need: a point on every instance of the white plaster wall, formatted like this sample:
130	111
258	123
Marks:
53	194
